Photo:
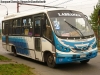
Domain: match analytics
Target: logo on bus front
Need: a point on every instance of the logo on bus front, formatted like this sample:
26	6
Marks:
81	40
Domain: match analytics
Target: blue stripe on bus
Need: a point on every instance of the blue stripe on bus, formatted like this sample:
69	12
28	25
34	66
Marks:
67	58
3	39
63	48
59	46
20	44
73	43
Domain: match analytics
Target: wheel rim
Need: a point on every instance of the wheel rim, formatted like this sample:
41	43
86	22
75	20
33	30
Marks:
50	60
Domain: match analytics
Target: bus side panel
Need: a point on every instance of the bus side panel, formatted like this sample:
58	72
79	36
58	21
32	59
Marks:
4	45
30	42
24	45
4	42
20	44
46	45
8	47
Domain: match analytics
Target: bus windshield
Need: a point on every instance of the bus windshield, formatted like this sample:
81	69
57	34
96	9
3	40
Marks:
67	23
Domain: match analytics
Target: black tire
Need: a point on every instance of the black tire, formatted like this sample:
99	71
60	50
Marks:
85	61
50	61
14	51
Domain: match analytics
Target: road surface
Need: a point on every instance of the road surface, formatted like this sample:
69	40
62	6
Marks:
92	68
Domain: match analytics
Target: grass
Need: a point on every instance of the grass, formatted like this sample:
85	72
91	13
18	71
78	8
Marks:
2	58
15	69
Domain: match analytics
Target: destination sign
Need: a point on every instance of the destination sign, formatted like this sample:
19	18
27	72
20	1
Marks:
69	14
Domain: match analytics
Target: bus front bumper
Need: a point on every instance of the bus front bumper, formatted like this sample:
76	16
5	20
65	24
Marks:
68	58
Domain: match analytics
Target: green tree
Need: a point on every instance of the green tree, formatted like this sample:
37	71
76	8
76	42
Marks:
94	22
94	17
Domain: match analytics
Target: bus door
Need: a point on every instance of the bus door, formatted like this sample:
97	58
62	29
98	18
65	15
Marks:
37	38
6	35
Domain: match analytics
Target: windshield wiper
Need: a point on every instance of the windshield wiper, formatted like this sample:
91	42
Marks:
74	28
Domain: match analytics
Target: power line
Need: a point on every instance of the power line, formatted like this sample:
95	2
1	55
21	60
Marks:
38	7
82	5
82	2
63	2
49	3
57	4
52	2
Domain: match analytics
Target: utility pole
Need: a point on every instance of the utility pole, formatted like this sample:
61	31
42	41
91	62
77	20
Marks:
17	7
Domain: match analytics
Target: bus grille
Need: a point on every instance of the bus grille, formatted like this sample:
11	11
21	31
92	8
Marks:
81	48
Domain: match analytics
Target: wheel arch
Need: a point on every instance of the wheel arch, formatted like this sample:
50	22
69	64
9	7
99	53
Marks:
45	53
13	48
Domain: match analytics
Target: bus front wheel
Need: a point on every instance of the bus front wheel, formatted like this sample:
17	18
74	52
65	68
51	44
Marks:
50	61
85	61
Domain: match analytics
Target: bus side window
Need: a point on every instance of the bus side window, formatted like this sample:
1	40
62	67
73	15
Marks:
22	30
30	27
29	23
18	22
37	27
5	27
10	27
30	31
27	26
24	22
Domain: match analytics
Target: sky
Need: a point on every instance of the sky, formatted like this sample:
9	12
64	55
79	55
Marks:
85	6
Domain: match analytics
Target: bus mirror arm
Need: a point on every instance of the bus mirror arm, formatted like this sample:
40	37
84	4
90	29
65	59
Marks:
86	16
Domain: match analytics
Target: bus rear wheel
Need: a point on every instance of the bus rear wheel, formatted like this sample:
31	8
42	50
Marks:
14	51
85	61
50	61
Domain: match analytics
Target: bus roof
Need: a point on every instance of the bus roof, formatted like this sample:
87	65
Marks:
17	15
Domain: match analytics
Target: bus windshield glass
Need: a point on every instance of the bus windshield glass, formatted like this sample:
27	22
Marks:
68	23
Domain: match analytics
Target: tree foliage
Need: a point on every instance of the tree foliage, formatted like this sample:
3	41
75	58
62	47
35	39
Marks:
94	17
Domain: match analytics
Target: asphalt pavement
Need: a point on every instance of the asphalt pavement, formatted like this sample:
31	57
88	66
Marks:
92	68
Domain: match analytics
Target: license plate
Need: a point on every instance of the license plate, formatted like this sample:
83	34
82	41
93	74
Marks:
82	55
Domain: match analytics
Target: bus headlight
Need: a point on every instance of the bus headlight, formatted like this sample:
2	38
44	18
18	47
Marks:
63	48
94	45
66	49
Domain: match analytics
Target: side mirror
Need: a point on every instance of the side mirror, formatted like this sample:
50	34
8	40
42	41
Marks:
86	16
